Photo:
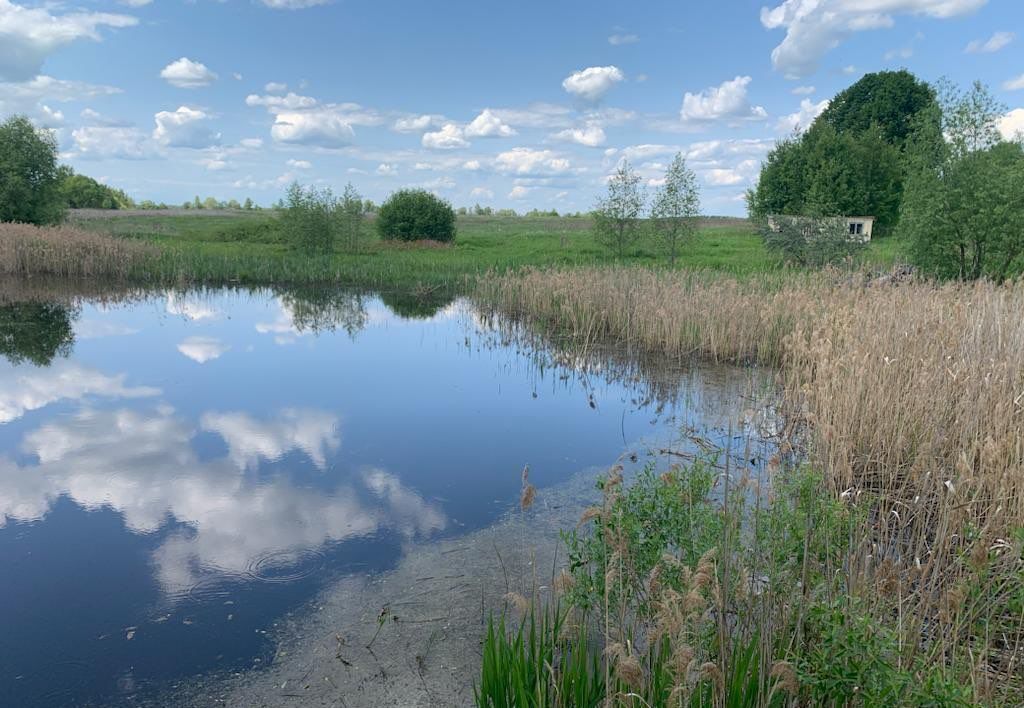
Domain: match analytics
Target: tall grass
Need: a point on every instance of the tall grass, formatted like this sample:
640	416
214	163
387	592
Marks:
909	402
68	252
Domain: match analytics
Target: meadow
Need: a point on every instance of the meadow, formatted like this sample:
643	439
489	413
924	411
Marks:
246	247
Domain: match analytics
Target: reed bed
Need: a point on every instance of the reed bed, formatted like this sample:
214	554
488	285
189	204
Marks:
907	401
68	252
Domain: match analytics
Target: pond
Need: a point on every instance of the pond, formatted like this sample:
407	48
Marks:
179	470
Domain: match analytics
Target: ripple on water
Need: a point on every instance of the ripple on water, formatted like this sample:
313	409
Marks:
64	680
286	566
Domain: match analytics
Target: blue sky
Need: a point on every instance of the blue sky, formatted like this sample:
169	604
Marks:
514	105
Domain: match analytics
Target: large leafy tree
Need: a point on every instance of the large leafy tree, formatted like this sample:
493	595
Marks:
36	332
963	212
889	100
81	192
29	175
852	159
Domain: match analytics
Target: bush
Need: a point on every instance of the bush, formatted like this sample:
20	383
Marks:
309	220
414	214
809	241
81	192
29	176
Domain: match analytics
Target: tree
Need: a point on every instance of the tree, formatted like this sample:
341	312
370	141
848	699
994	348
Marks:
676	207
853	158
352	209
81	192
413	214
29	176
889	100
963	212
247	205
617	214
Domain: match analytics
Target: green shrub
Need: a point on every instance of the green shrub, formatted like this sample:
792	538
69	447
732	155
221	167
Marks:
414	214
309	219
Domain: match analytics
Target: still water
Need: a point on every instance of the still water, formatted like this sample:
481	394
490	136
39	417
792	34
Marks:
178	470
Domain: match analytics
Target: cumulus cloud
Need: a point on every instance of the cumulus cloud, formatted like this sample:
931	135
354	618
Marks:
592	83
814	27
1012	125
300	164
185	73
29	35
801	119
590	135
528	161
993	44
416	124
249	440
449	137
186	127
519	192
275	87
202	349
321	128
103	142
727	101
386	169
289	102
745	171
488	125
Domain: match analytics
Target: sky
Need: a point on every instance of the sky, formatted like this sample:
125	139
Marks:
522	105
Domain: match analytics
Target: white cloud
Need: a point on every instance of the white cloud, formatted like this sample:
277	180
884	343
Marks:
481	193
191	309
802	119
202	349
1012	125
745	171
527	161
217	163
101	142
289	102
450	137
904	53
275	87
814	27
519	192
249	440
1015	84
29	389
472	165
726	101
993	44
186	127
321	127
592	83
802	91
134	3
386	169
849	69
416	124
251	143
29	35
29	96
590	135
619	39
185	73
300	164
488	125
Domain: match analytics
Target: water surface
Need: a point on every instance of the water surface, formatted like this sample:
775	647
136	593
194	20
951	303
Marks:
179	471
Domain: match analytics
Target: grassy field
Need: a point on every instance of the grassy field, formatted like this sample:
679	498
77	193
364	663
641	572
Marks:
244	247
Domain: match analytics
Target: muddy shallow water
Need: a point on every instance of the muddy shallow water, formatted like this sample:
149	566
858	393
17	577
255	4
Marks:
208	497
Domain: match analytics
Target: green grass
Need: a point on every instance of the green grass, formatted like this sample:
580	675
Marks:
246	248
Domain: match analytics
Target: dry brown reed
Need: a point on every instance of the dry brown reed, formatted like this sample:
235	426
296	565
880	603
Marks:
67	252
910	399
